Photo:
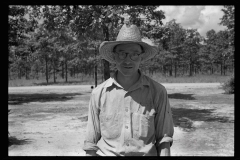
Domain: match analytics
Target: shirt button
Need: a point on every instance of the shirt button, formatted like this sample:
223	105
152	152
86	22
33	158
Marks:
126	127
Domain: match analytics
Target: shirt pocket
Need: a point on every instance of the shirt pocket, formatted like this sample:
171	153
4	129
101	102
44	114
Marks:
111	125
143	125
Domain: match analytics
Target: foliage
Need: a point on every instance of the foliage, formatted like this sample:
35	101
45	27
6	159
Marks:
228	20
62	39
228	86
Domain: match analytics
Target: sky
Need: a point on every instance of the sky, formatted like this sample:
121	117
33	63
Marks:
202	18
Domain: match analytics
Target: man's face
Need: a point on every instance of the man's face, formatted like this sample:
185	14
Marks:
128	65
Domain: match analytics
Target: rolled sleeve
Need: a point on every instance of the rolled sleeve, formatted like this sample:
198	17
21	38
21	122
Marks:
167	139
163	121
93	127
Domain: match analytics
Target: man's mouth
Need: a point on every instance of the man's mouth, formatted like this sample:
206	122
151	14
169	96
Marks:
128	67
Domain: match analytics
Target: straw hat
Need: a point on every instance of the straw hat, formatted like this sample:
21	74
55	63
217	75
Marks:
127	34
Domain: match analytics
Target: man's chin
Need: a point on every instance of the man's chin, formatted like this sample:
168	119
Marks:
128	73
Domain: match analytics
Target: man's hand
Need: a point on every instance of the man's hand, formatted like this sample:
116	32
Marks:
91	153
164	149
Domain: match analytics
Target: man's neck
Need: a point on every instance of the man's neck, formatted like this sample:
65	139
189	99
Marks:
127	81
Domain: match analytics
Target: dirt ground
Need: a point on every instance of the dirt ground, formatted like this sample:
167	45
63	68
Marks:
51	120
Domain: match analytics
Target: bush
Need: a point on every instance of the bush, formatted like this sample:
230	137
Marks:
228	86
9	110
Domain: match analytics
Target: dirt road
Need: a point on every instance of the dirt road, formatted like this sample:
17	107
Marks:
51	120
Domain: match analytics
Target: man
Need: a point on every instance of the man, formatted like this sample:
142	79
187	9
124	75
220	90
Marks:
129	114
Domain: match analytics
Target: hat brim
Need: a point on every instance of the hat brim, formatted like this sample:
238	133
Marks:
106	50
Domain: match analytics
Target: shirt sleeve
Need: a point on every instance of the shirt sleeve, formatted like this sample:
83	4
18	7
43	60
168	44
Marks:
163	120
93	126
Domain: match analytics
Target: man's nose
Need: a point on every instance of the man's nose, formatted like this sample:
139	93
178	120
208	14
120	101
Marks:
128	59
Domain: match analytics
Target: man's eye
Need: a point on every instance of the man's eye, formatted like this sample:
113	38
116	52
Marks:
136	54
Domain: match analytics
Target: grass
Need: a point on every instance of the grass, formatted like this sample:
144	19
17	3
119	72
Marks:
89	80
200	78
81	80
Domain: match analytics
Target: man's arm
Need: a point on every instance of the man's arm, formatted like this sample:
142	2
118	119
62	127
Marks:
91	153
93	128
164	149
163	125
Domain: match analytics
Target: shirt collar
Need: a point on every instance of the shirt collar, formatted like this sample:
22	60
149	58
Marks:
142	81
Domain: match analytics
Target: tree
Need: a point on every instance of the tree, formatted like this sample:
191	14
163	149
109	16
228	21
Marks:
109	20
211	48
44	42
222	49
161	37
18	26
176	40
68	33
228	20
170	38
191	48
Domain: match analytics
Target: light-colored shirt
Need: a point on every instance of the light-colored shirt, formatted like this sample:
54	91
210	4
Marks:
128	123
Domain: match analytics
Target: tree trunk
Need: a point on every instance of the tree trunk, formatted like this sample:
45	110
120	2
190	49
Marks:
62	70
106	70
42	72
96	75
195	69
212	68
221	69
66	71
19	71
26	73
183	68
186	70
224	67
163	69
190	69
74	71
175	69
46	68
95	69
54	73
106	63
171	68
37	73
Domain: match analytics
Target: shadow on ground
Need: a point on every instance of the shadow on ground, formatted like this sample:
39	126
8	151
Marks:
181	96
184	118
18	99
14	141
58	83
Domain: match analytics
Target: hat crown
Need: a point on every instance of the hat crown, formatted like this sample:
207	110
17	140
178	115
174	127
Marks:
129	33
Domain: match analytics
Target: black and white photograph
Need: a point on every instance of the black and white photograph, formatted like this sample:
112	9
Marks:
121	80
